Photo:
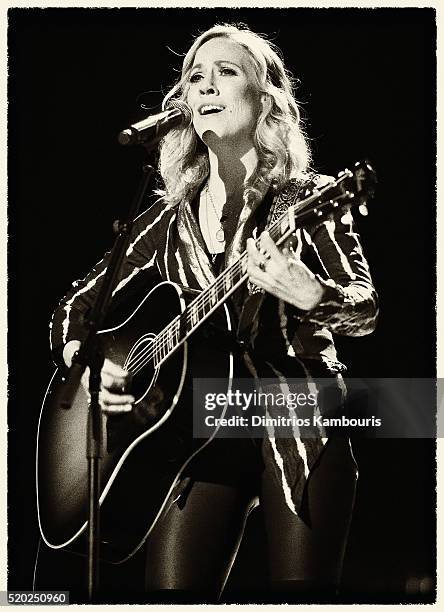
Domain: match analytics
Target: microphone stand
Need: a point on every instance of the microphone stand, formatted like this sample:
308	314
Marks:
90	354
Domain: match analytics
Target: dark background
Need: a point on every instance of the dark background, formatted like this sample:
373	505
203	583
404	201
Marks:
368	90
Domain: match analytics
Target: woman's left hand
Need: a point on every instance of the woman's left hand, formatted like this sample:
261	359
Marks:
282	274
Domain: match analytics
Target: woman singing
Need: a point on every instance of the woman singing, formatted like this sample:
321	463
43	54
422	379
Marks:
241	161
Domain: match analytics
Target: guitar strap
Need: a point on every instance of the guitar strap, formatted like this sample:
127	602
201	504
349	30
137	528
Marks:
248	320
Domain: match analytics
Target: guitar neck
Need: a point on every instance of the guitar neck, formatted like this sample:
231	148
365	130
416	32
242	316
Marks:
320	203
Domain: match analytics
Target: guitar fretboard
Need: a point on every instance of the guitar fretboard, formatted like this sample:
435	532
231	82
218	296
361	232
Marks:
180	328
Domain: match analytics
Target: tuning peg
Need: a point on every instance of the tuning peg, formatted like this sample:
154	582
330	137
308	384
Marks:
365	163
346	171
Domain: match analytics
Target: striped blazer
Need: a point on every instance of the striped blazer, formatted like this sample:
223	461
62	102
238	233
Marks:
167	244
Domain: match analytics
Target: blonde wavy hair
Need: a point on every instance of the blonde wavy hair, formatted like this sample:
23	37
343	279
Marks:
279	139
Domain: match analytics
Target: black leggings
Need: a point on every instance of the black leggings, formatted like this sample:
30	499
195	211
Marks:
193	546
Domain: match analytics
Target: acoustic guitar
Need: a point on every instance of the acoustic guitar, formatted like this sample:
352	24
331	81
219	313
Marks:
155	440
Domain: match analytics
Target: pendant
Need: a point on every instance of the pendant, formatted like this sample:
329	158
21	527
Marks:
220	235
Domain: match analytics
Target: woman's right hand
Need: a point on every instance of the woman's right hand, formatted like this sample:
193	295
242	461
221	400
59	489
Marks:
113	397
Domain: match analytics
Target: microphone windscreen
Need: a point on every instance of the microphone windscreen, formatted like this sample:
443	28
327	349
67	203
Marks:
184	108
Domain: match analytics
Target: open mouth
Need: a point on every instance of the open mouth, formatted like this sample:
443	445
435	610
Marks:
210	109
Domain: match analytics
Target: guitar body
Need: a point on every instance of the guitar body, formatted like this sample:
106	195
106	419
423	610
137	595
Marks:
144	451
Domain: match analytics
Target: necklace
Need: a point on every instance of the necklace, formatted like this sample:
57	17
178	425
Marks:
220	234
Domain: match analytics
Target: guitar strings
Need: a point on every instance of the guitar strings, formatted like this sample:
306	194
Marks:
161	343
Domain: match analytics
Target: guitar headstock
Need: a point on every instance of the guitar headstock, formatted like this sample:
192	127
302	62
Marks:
351	188
361	182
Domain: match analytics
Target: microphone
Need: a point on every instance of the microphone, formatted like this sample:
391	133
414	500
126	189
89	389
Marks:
150	130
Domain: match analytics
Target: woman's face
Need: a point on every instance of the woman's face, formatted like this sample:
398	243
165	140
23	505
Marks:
221	93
